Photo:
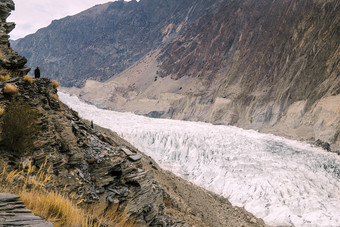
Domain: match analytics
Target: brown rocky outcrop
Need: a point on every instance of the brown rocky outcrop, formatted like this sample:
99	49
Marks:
9	59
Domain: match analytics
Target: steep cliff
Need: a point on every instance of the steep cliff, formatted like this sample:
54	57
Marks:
103	41
272	64
9	59
83	162
266	65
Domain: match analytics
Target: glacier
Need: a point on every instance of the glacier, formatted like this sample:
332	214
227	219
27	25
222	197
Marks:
284	182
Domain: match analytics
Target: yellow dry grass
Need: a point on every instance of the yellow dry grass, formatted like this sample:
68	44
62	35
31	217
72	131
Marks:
55	83
55	207
29	79
5	76
109	216
10	89
55	97
2	109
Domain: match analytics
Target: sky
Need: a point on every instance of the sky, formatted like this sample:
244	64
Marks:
30	15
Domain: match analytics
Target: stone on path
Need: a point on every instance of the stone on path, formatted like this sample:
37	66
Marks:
14	213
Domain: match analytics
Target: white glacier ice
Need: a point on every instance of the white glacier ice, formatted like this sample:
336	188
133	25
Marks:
284	182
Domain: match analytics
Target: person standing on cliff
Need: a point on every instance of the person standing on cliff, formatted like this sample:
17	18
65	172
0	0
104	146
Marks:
37	72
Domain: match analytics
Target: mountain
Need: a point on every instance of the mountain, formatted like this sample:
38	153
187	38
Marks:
88	164
107	39
266	65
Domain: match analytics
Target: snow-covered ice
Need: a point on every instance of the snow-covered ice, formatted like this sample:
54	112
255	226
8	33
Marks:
285	182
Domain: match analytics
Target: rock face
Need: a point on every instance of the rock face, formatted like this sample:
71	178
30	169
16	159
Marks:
266	65
9	60
107	39
93	165
14	213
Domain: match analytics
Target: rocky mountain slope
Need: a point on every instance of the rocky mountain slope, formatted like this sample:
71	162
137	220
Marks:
91	164
95	165
106	39
83	162
266	65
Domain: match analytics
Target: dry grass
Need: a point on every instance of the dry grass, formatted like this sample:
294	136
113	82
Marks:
55	97
55	207
55	83
2	109
5	76
29	79
10	89
109	216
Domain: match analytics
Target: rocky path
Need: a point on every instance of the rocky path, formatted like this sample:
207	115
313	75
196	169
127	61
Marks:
14	213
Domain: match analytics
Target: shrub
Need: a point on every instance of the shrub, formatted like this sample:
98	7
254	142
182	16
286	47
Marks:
55	97
29	79
19	126
11	89
55	83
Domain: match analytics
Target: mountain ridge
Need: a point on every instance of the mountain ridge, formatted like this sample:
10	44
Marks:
263	65
266	65
103	41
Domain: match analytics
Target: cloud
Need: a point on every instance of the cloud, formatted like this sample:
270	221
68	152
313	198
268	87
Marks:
32	15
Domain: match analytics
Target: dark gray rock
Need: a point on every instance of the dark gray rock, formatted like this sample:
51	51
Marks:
6	6
6	197
14	213
324	145
9	59
127	151
155	114
135	158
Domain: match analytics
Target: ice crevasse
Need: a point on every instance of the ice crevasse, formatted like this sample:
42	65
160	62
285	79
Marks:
282	181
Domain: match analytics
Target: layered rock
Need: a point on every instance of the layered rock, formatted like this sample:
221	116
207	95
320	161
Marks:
9	59
14	213
83	161
263	65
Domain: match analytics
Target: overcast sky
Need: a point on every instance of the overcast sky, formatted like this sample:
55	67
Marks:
30	15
